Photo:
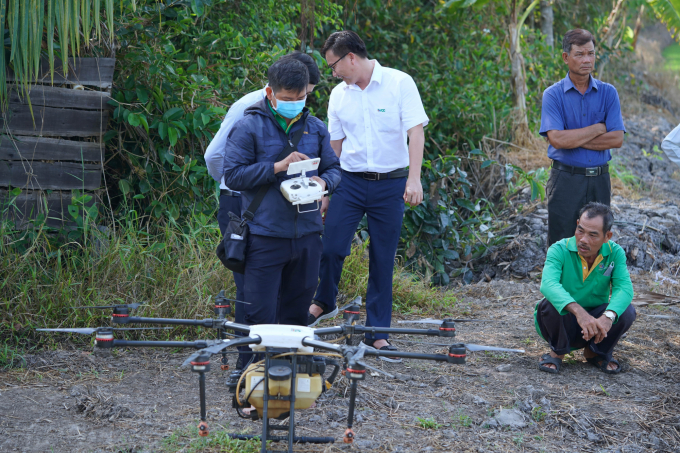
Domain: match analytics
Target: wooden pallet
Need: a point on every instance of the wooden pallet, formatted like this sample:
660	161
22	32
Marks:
53	144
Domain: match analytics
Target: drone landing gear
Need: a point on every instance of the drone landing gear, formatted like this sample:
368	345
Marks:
202	365
356	373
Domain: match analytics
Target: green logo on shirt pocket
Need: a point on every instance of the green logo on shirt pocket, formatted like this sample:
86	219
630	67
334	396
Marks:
381	110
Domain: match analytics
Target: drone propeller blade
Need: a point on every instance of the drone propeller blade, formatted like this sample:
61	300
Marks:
423	321
143	328
132	306
237	301
480	347
84	331
439	321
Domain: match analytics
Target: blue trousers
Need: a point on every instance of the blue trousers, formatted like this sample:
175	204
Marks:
232	204
280	279
383	204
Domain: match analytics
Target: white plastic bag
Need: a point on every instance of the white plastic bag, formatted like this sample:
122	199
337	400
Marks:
671	145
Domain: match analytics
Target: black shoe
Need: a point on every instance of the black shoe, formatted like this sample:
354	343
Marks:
326	314
389	347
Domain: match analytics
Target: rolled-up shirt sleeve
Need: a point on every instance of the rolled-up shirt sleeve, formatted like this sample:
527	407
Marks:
551	114
411	105
613	119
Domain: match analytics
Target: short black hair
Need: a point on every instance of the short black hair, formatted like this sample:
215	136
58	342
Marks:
595	209
288	74
343	42
576	36
308	61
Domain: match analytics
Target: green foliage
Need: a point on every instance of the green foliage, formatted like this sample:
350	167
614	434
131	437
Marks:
428	423
187	440
672	56
181	65
668	11
537	414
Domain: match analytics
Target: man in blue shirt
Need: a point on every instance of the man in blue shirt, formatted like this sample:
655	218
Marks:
581	118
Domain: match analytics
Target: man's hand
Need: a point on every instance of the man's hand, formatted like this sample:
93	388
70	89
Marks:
292	157
325	201
320	181
591	327
413	194
603	324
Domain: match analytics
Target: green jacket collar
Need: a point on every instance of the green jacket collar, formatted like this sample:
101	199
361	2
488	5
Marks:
605	250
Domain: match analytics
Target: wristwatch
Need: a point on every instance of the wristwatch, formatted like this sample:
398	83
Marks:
610	314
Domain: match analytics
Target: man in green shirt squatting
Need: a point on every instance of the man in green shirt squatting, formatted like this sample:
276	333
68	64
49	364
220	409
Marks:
578	276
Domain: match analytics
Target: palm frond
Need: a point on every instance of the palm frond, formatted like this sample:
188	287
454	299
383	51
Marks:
668	12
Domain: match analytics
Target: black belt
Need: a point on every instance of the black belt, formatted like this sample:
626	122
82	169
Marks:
229	193
590	171
372	176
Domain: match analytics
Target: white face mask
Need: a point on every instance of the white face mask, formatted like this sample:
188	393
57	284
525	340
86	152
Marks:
289	109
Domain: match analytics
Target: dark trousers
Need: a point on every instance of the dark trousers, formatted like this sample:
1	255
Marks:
563	333
383	204
232	204
280	279
567	194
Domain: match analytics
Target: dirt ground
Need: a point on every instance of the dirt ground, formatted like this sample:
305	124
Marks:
73	400
141	401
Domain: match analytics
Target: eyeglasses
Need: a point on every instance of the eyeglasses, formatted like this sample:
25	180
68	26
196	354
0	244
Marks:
332	66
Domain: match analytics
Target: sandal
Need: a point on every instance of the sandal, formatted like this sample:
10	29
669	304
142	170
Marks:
389	347
601	364
548	359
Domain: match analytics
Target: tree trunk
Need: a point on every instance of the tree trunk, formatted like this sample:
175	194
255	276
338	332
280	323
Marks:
547	22
517	73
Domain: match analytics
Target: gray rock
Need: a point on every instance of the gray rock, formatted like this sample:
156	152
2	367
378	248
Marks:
511	418
365	444
504	368
441	380
490	423
77	390
359	418
403	377
479	400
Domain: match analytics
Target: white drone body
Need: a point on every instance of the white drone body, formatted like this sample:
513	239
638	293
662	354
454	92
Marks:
303	190
281	336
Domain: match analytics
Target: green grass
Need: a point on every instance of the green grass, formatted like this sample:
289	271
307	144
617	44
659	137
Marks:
672	56
174	269
187	440
428	423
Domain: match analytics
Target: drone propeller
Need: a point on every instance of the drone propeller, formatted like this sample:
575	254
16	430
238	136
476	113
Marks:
91	330
440	321
133	306
469	346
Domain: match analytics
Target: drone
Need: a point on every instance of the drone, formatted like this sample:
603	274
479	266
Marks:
288	362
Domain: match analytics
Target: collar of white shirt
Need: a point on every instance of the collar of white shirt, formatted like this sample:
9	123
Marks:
376	77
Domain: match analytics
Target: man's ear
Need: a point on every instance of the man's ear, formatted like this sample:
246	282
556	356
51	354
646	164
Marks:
270	96
607	236
564	56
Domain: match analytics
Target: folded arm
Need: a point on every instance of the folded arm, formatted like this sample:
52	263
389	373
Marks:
576	138
613	139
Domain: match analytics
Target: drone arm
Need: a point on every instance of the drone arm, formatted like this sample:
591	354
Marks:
171	321
394	330
236	326
308	341
199	344
331	330
407	355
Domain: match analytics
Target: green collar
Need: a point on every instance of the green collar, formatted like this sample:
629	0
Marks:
605	250
281	120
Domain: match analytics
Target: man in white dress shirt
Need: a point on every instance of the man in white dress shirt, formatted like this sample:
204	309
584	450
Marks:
370	115
230	201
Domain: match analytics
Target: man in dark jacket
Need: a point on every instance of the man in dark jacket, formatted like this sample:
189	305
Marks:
284	247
